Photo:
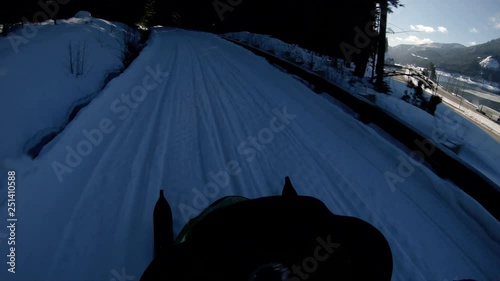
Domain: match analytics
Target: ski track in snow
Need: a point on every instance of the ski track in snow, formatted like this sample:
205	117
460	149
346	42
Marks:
99	218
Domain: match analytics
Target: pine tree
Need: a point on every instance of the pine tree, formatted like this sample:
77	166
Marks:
149	13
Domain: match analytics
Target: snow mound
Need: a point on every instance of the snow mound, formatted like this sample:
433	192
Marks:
82	15
39	88
490	63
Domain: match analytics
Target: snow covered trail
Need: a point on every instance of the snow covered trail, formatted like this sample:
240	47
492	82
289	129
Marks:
210	119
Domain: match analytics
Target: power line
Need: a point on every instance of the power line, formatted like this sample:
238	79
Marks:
402	30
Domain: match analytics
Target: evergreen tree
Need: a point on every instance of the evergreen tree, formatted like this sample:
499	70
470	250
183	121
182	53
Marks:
149	13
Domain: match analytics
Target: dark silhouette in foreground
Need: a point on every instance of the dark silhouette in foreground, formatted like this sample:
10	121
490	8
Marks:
288	237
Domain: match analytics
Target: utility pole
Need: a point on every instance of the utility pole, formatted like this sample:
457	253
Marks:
436	89
381	43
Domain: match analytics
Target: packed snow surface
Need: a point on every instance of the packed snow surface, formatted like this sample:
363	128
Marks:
202	118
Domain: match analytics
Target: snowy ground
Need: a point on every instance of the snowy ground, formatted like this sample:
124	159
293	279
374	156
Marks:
37	89
484	121
203	118
477	148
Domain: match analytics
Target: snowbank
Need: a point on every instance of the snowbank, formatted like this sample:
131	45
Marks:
39	84
475	146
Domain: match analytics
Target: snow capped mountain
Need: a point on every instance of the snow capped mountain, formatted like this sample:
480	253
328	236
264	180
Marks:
453	57
424	58
490	63
442	45
434	45
433	49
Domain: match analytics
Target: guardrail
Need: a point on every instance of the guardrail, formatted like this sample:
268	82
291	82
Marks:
443	162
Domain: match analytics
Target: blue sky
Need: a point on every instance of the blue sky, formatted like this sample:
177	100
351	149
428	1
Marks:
445	21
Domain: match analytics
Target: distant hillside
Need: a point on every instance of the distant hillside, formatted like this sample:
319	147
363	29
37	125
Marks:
480	60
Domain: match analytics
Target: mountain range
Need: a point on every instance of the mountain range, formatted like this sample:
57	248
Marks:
476	61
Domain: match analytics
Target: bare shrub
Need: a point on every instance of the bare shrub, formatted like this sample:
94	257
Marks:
77	58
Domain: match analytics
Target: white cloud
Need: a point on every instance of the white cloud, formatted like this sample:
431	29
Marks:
473	30
442	29
428	29
422	28
414	40
472	43
495	20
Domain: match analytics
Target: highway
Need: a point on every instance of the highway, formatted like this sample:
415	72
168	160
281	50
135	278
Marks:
460	106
